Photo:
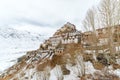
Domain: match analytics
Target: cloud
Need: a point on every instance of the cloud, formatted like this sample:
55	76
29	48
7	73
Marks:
50	13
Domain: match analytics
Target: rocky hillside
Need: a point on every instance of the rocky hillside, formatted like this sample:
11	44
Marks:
64	57
68	27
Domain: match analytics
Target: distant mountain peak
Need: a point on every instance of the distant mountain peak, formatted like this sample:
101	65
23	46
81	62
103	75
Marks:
11	33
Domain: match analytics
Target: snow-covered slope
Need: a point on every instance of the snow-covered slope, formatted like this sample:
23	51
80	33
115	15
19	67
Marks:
14	43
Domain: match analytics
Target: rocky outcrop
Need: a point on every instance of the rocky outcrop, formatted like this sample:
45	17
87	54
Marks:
68	27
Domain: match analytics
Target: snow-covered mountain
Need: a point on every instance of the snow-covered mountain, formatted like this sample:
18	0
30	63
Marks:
14	43
15	34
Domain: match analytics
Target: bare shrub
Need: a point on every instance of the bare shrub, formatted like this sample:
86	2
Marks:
80	66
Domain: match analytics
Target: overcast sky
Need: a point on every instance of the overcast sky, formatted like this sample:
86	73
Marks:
43	13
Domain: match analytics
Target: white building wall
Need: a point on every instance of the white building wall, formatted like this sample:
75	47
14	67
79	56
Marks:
69	41
76	40
51	47
63	41
66	41
72	40
103	41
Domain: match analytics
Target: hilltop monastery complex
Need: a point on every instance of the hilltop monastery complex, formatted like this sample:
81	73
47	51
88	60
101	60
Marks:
69	35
